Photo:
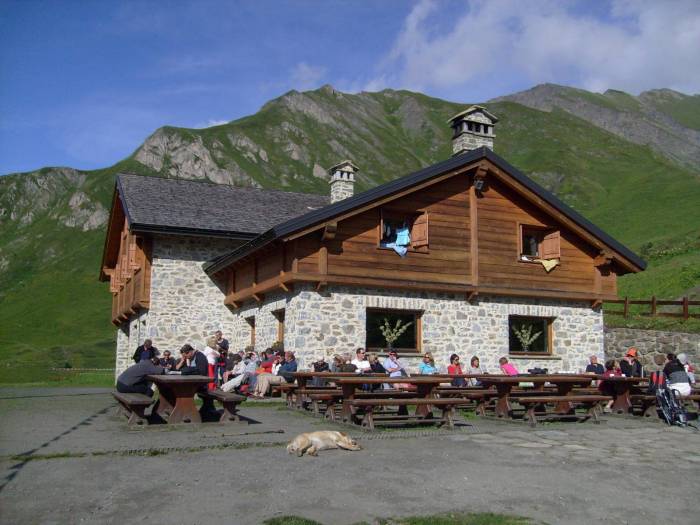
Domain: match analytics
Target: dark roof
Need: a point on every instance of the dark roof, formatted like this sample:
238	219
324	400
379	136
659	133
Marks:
157	204
397	185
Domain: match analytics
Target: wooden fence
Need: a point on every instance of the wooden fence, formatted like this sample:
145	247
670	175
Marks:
654	304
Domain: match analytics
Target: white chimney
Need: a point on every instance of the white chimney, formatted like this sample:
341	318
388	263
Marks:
342	180
473	128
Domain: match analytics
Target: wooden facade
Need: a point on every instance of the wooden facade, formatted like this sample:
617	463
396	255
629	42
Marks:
467	239
127	265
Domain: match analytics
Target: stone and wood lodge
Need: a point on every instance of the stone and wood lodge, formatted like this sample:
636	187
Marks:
495	264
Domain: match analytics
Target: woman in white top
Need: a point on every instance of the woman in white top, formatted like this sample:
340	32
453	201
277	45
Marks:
474	368
361	363
212	354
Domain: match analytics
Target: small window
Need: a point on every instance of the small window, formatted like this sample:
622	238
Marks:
405	230
529	335
279	315
251	323
398	329
538	243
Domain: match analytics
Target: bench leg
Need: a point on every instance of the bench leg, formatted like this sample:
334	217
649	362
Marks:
290	400
368	420
137	415
532	419
230	412
593	413
448	417
649	410
330	411
480	408
314	408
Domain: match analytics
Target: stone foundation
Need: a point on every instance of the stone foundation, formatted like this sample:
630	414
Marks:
651	344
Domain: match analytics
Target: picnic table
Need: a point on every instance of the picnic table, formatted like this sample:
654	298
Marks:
564	383
425	389
623	386
176	399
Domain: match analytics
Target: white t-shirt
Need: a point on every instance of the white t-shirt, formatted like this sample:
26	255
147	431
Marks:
212	355
361	365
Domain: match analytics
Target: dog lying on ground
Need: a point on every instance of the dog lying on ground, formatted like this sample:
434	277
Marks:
312	442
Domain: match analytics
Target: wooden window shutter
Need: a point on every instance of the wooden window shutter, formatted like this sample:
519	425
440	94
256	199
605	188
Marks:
550	246
419	232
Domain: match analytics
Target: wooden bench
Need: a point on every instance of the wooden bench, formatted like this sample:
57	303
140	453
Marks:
228	400
369	405
533	406
134	406
333	398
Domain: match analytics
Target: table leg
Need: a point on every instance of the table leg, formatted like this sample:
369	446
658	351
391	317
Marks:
166	402
564	407
185	410
424	392
622	403
348	394
503	408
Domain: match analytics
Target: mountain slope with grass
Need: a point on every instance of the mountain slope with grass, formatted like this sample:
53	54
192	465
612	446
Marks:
54	311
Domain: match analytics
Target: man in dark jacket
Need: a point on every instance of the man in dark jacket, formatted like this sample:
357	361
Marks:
630	365
193	363
134	380
595	367
146	351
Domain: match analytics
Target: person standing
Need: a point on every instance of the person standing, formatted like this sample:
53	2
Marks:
145	352
630	365
221	341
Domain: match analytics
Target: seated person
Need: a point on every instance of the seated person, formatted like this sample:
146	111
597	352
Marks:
134	379
455	369
234	367
630	365
594	367
277	375
336	363
246	371
346	364
167	361
361	363
319	365
427	365
193	362
606	387
676	377
474	368
507	368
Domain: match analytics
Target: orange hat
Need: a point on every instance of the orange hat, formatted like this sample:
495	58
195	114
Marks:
632	352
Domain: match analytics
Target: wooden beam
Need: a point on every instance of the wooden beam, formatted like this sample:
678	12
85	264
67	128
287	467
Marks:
258	297
474	235
596	303
321	286
472	295
323	260
329	231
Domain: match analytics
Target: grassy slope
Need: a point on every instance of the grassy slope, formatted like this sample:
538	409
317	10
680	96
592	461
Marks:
53	310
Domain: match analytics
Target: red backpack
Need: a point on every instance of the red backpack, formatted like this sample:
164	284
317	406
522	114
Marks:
657	380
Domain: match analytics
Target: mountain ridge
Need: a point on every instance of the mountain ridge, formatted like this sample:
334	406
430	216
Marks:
52	219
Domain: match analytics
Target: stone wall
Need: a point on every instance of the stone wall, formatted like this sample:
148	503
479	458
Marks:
651	343
334	322
186	305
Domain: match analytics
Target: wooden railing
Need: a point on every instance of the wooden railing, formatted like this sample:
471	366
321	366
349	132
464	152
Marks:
685	305
134	295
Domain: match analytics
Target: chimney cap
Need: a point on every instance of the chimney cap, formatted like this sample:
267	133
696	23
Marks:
473	109
346	165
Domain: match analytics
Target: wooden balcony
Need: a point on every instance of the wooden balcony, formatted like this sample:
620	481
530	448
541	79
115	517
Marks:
133	296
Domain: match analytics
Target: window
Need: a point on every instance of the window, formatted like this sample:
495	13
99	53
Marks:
279	315
406	324
538	243
251	323
529	335
402	229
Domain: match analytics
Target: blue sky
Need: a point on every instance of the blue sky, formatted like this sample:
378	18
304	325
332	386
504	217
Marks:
82	84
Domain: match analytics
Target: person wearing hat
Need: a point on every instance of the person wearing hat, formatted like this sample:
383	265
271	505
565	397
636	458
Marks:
630	365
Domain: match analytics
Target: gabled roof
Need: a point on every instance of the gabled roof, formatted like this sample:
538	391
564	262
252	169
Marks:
385	190
155	204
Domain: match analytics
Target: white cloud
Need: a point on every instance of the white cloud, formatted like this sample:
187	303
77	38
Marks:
305	76
637	45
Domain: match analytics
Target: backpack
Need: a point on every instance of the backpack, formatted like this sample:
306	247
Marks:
668	402
657	380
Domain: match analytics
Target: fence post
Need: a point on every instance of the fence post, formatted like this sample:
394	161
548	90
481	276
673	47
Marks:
653	306
626	311
686	314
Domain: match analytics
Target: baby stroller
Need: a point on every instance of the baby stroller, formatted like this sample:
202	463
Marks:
669	403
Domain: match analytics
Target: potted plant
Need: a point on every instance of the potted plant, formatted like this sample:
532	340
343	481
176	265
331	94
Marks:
391	334
525	335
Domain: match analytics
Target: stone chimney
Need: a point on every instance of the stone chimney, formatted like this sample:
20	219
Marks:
342	180
472	129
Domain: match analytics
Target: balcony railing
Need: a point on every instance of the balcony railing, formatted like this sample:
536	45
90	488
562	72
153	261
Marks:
133	296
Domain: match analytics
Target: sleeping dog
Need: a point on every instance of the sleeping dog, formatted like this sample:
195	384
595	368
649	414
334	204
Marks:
312	442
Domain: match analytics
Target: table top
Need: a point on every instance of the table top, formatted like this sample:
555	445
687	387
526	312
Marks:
620	379
179	379
331	374
549	378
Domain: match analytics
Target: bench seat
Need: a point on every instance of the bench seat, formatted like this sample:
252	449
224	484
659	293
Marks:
228	400
133	406
534	404
447	405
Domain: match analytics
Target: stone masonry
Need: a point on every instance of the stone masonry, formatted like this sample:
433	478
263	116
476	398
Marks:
186	305
334	322
653	345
